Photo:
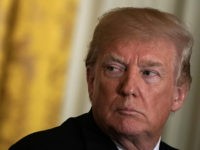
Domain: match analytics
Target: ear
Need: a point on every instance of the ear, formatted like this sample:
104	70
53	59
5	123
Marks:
90	81
179	97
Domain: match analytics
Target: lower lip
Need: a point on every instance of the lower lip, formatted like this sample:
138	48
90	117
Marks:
128	112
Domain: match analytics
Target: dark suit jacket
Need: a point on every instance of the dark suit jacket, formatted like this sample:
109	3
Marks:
80	133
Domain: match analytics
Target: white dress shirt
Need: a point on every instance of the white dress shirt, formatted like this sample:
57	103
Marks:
119	147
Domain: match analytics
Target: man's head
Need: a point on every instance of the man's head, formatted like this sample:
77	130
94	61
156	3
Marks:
143	24
138	70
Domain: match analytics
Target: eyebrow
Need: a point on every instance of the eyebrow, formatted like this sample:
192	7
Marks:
141	64
150	63
116	58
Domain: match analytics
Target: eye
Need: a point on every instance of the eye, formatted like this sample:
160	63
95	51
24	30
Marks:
150	75
114	70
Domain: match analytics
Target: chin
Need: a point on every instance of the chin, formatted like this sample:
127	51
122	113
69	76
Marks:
127	127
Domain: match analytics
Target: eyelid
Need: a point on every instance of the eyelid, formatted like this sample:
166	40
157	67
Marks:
151	71
115	65
154	76
118	69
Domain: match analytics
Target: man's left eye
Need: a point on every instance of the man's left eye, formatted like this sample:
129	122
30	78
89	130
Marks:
149	73
150	76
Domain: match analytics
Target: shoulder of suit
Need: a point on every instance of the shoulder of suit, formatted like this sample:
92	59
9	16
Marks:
68	132
165	146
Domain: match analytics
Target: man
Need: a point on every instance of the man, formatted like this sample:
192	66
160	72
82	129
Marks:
138	72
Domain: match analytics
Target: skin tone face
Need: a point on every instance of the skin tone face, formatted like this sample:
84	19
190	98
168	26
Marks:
133	90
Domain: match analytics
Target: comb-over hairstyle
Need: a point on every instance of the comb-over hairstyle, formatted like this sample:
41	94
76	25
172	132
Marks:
144	24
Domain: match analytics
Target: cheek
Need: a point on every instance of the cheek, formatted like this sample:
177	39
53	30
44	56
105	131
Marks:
160	103
104	91
162	98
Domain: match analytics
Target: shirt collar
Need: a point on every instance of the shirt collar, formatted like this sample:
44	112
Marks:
157	145
119	147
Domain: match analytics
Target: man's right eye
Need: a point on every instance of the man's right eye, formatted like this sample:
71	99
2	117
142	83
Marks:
114	70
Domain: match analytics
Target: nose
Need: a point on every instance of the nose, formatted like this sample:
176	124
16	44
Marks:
129	85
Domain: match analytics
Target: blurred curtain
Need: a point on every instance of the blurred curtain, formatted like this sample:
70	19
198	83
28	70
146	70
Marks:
183	128
35	37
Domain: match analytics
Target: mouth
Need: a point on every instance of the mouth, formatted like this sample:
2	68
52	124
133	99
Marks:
128	112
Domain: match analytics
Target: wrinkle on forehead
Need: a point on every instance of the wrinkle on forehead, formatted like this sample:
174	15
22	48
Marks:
142	63
155	46
144	54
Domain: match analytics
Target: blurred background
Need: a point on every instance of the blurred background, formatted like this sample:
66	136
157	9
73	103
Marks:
42	76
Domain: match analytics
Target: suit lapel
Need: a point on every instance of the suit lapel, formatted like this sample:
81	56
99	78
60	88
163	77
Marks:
164	146
95	139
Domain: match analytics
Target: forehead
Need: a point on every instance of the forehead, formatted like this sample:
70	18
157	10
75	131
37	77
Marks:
126	51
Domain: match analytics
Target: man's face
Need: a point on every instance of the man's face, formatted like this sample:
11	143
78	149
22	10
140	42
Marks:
133	87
